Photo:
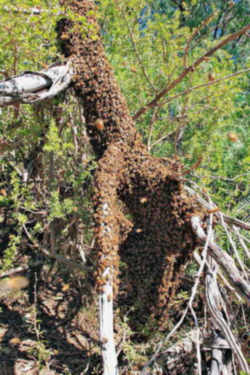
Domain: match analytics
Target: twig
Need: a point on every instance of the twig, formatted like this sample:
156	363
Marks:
60	258
207	84
196	31
14	270
137	54
232	244
241	240
236	222
224	259
220	274
222	177
163	138
211	206
190	69
151	127
216	304
31	11
37	332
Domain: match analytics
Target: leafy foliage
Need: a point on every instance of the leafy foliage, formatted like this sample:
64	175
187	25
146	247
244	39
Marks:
46	163
148	50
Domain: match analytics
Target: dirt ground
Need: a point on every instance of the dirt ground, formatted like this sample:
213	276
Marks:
50	327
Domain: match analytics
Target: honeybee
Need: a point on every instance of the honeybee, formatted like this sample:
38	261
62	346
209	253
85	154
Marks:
233	137
215	209
99	124
210	77
15	341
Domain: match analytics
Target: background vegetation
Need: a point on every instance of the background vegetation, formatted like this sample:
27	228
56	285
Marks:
46	163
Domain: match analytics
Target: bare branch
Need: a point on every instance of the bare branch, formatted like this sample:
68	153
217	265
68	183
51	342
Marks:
196	31
137	53
71	265
224	260
33	11
242	241
207	84
151	127
30	87
107	240
180	350
224	225
237	222
190	69
198	260
216	306
14	271
211	206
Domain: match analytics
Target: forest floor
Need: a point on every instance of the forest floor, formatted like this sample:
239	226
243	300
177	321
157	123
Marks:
49	328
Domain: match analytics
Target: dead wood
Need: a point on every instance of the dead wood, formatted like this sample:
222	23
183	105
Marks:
218	311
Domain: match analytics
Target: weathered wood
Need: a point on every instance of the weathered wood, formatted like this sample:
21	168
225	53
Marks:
217	309
30	87
224	260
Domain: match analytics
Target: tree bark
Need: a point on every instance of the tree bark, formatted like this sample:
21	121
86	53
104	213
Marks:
142	212
30	87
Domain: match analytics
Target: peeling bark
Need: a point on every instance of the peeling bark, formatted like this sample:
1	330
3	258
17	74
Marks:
30	87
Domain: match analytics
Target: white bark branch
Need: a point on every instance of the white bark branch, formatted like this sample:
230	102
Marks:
241	241
216	306
107	242
218	365
225	282
33	11
233	246
224	260
211	206
30	87
110	366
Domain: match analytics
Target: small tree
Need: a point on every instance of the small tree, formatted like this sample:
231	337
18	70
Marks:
147	217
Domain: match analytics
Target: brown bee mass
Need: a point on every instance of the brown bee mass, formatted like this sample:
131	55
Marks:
151	236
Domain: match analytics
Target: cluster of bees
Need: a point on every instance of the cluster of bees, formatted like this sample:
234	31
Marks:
150	232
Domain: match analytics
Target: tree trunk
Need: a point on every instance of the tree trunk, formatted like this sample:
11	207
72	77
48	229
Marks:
142	211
